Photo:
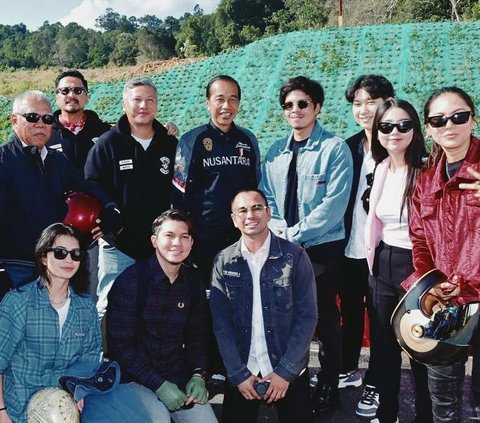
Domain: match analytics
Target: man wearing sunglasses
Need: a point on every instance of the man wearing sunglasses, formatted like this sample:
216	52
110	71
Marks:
33	183
306	178
75	129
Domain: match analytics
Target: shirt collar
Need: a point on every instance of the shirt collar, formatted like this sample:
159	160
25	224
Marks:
265	248
43	151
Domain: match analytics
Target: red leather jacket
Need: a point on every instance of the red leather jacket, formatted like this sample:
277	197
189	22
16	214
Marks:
444	225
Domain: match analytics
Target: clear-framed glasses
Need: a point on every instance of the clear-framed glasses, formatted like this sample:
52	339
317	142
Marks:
256	209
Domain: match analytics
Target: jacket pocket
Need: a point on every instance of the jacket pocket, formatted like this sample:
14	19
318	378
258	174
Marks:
313	187
282	295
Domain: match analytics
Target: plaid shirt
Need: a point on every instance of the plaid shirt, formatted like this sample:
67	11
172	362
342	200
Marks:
170	341
32	354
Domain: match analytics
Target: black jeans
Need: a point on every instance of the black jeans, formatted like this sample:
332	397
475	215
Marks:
295	407
391	266
328	325
353	292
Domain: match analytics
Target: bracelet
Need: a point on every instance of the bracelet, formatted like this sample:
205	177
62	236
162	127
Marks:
202	373
3	408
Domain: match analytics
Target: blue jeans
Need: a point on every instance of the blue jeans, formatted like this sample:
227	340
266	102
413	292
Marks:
158	413
111	262
20	272
445	385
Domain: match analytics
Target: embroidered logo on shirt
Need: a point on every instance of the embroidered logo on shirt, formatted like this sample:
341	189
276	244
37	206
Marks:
208	144
57	147
79	335
165	163
231	273
126	164
242	146
180	304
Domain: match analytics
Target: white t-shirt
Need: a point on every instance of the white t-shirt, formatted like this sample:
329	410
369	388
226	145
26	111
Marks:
356	242
395	229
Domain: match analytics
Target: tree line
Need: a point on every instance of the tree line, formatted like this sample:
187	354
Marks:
122	40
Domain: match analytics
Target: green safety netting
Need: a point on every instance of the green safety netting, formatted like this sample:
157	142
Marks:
417	58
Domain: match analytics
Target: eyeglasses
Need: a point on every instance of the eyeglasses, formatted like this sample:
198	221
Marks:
403	127
68	90
60	253
458	118
366	194
35	117
256	209
302	104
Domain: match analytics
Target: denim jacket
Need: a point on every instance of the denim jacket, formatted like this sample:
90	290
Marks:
288	293
325	170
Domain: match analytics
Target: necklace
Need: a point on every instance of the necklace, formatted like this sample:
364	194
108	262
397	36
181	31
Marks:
60	302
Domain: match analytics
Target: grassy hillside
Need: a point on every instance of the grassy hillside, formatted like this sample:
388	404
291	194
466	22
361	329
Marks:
417	58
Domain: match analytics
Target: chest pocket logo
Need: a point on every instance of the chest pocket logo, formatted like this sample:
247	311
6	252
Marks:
164	165
208	144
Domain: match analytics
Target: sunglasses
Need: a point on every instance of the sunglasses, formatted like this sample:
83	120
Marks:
403	127
302	104
68	90
458	118
60	253
35	117
366	194
256	209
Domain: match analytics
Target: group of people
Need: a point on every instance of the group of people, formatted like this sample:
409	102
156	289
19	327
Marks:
245	258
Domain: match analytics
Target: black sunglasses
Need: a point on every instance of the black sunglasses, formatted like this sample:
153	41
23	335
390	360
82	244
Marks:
68	90
302	104
365	198
60	253
458	118
403	127
35	117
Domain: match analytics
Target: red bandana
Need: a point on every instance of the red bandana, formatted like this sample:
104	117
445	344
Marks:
74	127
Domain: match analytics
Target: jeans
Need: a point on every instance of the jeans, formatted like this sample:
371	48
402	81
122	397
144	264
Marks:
20	272
391	266
111	262
295	407
160	414
445	384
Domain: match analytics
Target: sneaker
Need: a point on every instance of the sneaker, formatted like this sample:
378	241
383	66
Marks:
352	378
378	421
368	404
313	381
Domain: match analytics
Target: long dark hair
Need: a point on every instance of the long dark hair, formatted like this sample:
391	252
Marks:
436	150
414	152
79	281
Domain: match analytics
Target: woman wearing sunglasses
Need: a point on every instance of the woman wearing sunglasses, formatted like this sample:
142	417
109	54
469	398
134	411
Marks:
445	225
47	325
398	148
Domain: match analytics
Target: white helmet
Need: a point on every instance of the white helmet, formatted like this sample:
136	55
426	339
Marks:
52	405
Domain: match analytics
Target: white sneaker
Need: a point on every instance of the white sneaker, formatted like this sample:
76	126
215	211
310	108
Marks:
348	379
378	421
313	381
368	404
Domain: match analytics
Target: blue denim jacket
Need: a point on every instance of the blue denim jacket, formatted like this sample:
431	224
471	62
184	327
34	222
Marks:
288	293
325	171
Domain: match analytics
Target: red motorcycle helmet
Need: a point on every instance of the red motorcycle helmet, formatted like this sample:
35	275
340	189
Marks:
83	211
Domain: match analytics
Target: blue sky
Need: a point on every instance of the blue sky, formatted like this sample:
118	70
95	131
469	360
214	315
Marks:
84	12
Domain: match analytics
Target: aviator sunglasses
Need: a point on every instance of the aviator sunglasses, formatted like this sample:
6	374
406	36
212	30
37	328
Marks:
60	253
458	118
35	117
302	104
68	90
403	127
